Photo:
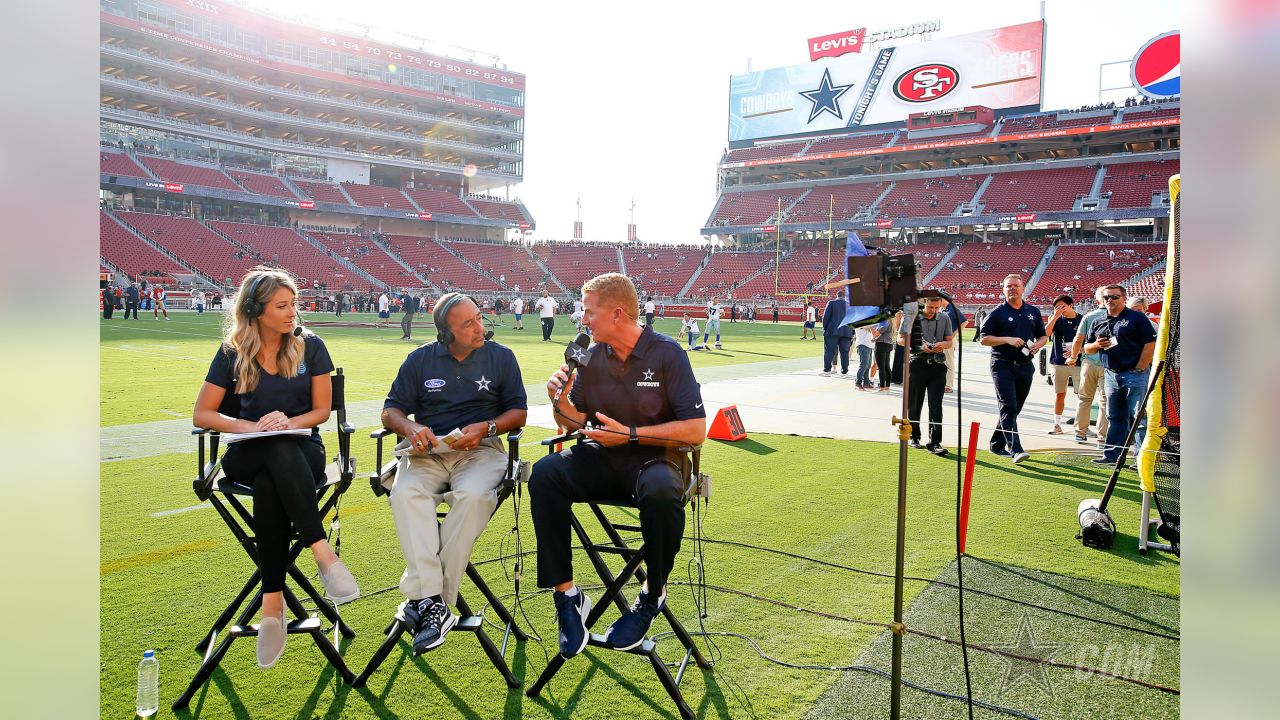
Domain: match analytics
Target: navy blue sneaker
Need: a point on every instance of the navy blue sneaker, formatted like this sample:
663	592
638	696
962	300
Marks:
571	613
629	630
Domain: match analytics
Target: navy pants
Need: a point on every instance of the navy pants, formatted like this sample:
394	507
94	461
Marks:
587	472
1013	384
831	344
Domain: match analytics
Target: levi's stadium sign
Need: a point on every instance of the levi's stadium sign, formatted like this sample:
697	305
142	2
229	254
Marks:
166	186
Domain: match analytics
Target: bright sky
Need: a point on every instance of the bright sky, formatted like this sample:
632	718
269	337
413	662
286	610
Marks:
631	100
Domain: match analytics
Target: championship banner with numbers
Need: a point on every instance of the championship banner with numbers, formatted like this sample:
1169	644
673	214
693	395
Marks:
1000	68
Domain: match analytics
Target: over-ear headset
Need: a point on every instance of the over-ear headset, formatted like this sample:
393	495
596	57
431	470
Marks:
441	314
252	306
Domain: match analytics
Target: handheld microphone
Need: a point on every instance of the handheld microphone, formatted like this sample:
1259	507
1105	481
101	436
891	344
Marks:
576	355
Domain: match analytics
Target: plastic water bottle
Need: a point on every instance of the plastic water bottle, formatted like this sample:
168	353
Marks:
148	684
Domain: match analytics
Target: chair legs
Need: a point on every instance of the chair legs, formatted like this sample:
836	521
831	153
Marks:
469	623
304	624
613	594
214	647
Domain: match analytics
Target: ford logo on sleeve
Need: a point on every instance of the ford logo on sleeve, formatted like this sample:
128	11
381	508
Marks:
434	384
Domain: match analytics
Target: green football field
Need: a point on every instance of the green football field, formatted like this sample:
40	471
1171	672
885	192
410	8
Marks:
801	536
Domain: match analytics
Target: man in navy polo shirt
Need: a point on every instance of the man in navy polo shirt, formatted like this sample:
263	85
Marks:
1015	332
636	400
462	391
1127	342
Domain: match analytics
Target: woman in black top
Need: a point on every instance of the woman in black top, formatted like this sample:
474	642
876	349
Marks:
282	377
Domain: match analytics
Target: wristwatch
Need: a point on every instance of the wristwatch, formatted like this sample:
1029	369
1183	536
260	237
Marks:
633	439
493	428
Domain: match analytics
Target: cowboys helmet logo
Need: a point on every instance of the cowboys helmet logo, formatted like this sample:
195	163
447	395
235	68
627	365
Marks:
924	83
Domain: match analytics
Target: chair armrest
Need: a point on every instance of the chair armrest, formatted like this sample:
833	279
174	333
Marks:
515	435
574	435
379	433
346	428
202	431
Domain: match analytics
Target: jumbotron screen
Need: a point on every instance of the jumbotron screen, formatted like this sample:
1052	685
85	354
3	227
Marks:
1000	68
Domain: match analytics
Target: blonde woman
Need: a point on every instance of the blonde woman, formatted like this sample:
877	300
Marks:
282	378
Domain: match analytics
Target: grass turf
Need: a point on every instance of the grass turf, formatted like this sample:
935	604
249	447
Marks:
164	579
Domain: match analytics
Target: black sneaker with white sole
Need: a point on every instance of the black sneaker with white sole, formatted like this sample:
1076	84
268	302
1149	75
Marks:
571	614
915	445
936	449
431	622
629	630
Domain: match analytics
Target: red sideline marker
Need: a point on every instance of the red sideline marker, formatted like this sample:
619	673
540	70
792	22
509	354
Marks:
968	484
727	425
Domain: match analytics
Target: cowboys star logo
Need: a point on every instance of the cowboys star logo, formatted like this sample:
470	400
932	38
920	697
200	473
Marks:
826	98
648	380
482	384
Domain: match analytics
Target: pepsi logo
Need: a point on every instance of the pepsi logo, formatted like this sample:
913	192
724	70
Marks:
925	83
1156	70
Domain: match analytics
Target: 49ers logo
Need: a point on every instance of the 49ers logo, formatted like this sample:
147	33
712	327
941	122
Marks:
926	82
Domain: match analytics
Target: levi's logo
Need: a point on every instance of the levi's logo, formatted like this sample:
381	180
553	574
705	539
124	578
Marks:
836	44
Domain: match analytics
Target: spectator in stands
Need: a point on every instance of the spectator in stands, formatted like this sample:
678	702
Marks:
649	309
810	320
1092	375
284	384
131	301
433	468
714	310
928	338
1015	333
1127	341
837	337
546	307
409	305
1061	328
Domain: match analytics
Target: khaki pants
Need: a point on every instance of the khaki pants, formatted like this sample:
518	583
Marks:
436	554
950	354
1091	378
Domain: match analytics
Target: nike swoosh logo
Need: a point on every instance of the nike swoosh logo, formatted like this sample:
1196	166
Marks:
695	407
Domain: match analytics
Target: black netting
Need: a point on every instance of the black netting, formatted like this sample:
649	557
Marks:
1168	473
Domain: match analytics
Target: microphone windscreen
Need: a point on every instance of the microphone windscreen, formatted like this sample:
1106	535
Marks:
297	331
488	335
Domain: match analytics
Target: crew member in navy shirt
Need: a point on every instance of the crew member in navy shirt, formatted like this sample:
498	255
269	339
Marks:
459	382
636	401
283	383
1062	327
1015	332
1127	342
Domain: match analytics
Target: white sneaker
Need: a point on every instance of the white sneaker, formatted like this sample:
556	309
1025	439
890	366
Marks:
1019	457
827	373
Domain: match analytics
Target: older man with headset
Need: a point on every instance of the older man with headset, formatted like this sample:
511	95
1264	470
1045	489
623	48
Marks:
463	390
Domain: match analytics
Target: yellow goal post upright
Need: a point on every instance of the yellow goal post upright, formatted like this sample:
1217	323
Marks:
1159	458
826	293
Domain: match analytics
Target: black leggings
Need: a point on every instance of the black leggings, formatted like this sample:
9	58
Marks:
284	473
884	363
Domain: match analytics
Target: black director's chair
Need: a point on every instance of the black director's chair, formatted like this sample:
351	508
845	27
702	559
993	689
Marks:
695	484
225	495
516	473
